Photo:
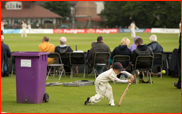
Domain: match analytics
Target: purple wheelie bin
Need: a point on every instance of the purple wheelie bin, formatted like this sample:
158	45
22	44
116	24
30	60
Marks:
31	68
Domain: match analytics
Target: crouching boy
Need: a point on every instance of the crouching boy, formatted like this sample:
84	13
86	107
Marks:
103	88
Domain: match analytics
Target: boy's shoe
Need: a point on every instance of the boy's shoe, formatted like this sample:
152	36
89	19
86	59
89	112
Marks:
87	101
112	104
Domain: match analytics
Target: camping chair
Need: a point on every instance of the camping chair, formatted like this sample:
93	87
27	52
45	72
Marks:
142	60
66	61
159	57
60	65
12	60
121	58
99	56
77	58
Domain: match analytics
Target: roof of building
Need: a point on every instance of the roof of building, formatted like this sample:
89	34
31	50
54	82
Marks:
35	11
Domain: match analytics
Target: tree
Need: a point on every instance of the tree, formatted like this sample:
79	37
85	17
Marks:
146	14
59	7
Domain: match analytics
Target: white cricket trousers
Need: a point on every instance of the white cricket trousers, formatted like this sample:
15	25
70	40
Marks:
102	89
133	35
23	32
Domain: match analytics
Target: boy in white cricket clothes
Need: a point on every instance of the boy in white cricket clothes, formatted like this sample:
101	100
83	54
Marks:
24	26
103	88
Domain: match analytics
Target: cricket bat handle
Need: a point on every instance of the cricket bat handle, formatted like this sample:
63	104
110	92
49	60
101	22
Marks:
122	97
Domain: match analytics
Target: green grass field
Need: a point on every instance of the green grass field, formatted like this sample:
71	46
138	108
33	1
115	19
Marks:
83	41
159	97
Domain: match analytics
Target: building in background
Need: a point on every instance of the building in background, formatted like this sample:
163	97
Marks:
14	12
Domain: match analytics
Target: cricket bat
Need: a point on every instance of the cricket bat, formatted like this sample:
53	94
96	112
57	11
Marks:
122	97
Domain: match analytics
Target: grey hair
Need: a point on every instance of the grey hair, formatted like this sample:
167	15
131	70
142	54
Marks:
153	38
2	37
63	40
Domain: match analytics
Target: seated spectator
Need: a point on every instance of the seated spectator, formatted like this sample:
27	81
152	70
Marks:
133	46
142	50
92	44
156	48
45	46
178	84
61	49
122	50
98	47
5	54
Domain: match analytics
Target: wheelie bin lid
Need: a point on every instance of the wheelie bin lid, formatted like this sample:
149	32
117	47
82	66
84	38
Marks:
37	54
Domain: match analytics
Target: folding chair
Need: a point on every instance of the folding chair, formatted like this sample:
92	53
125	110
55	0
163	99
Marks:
98	61
143	64
60	65
77	58
158	57
12	60
66	61
121	58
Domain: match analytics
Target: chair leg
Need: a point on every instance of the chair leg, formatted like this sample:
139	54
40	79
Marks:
54	72
91	72
84	72
95	73
71	74
150	78
48	73
59	73
161	72
135	72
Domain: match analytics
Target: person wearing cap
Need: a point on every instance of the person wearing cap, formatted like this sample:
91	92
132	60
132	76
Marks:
103	88
5	54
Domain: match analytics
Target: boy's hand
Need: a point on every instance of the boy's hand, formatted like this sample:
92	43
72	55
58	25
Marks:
132	77
129	81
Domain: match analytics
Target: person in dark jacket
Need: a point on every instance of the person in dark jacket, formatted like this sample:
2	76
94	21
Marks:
63	48
98	47
5	54
156	48
122	50
178	84
142	50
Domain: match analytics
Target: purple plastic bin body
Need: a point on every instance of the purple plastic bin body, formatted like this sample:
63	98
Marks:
31	68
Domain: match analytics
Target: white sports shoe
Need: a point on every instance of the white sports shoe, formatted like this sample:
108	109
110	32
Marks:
112	104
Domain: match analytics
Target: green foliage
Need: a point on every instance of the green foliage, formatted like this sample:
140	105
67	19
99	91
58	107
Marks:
146	14
59	7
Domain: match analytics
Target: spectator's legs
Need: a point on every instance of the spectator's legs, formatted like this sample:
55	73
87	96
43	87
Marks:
99	69
159	71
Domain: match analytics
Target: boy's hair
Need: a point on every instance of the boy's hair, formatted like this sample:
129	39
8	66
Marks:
139	41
